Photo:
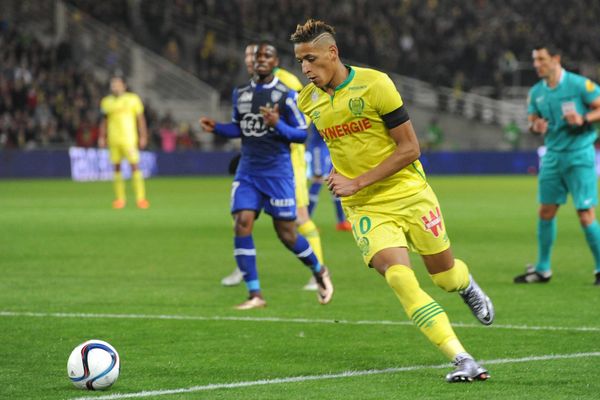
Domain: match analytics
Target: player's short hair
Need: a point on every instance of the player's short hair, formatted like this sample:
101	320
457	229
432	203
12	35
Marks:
311	30
550	48
266	42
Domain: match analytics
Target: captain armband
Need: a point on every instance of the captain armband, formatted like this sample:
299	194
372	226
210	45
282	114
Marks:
395	118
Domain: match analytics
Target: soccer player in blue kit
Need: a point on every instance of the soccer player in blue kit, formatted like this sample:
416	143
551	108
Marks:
266	117
562	107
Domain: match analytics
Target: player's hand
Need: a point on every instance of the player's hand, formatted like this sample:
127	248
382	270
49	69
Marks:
102	142
574	118
208	124
540	126
340	185
143	142
270	114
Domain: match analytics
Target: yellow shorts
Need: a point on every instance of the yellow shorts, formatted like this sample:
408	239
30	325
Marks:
119	151
299	165
415	222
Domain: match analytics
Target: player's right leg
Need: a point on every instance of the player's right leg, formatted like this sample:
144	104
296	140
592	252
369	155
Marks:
118	183
426	313
246	203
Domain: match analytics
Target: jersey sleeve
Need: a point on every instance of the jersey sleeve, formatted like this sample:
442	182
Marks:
385	97
104	106
589	90
531	106
138	106
235	114
293	116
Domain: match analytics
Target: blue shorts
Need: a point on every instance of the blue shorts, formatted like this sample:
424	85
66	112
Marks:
320	161
276	195
569	172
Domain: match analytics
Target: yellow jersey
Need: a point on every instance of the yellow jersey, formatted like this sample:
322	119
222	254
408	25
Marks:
351	124
121	117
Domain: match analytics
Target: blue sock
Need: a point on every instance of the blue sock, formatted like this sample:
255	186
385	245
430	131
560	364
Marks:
313	196
546	236
245	256
306	254
339	212
592	235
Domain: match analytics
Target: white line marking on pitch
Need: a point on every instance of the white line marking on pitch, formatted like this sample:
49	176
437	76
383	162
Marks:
287	320
345	374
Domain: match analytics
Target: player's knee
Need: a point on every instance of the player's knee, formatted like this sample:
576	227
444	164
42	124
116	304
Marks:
243	225
454	279
287	236
586	217
402	280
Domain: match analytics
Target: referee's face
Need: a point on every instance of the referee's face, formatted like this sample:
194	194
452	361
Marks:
544	63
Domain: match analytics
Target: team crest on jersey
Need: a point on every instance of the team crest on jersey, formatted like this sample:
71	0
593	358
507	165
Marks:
356	105
363	245
275	96
434	223
315	115
245	97
590	86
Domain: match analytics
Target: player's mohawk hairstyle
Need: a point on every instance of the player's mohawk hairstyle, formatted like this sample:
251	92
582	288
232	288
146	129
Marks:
311	30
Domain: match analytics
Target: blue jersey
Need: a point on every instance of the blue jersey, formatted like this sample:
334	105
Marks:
265	153
573	92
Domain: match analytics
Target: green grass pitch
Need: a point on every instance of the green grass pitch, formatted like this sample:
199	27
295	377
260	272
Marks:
64	252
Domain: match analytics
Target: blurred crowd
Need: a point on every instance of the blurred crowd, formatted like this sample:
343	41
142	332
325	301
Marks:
462	44
47	101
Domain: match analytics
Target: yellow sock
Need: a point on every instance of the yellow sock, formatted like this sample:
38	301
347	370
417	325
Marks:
311	233
119	186
429	317
456	278
138	185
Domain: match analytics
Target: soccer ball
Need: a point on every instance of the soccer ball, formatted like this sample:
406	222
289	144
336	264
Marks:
93	365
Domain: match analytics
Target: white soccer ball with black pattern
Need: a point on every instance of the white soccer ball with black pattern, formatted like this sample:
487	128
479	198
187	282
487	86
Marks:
94	365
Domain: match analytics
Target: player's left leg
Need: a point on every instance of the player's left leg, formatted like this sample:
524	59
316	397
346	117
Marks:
286	231
118	183
591	228
452	275
308	229
583	184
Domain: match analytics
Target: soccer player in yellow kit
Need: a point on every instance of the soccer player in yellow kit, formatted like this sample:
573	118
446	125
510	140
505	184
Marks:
306	227
123	118
386	197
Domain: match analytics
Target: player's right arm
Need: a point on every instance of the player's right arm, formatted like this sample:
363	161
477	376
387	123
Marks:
103	122
231	130
102	133
537	124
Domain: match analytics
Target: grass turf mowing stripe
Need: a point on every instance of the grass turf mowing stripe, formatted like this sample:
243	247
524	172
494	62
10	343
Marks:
345	374
286	320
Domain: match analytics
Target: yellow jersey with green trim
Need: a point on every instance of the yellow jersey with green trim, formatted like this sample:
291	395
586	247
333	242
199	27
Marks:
351	124
121	117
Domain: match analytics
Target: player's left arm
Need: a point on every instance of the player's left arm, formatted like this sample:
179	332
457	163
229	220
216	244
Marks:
142	126
407	151
590	93
142	130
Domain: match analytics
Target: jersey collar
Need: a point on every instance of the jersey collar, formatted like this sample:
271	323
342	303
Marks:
560	80
348	79
269	85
